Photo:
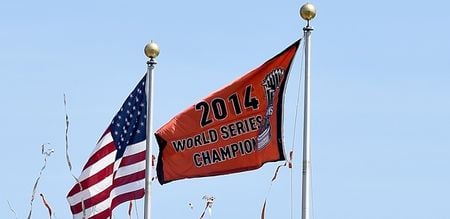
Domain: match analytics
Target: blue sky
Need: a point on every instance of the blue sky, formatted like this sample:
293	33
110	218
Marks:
380	99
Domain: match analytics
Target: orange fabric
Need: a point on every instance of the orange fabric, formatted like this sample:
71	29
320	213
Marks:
234	129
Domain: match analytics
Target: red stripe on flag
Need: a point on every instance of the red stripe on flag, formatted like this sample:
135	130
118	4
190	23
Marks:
94	200
132	159
101	153
103	195
102	215
127	197
94	179
129	178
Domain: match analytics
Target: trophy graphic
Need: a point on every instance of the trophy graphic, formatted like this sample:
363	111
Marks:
271	84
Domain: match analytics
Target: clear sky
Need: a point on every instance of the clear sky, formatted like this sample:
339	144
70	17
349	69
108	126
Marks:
380	99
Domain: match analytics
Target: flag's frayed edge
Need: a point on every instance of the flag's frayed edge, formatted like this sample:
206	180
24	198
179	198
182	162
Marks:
136	210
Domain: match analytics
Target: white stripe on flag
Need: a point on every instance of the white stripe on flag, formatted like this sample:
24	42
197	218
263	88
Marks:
134	149
106	139
97	166
132	186
130	169
94	209
91	191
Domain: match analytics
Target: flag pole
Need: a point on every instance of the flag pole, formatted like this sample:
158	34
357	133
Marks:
151	50
307	12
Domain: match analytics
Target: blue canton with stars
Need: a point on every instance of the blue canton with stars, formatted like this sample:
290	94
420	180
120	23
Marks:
129	125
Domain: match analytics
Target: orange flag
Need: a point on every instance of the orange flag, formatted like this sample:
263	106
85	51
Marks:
234	129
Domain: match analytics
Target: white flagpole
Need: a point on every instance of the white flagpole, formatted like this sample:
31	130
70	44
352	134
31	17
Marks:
151	50
307	12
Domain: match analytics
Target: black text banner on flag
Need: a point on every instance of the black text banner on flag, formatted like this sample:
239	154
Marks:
234	129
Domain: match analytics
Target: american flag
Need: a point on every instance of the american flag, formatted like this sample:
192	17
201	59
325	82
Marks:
115	171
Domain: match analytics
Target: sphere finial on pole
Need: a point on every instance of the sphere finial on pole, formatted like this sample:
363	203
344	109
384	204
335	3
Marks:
151	50
308	11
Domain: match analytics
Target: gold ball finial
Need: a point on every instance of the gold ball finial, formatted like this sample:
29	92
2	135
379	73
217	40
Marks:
308	11
151	50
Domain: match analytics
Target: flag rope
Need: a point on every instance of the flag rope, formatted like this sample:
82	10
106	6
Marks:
130	209
302	53
208	206
270	187
69	164
12	209
289	163
47	206
46	153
